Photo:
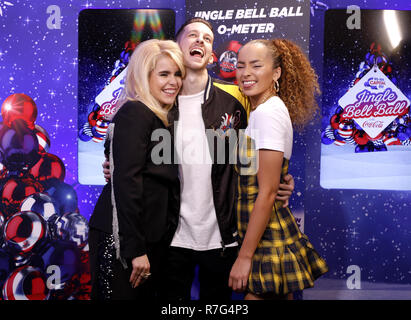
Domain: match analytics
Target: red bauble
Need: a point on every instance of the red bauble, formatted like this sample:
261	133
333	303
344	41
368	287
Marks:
15	190
48	167
92	118
19	106
26	283
228	59
335	121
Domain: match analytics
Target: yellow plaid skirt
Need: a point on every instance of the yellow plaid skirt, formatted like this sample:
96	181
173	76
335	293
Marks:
285	260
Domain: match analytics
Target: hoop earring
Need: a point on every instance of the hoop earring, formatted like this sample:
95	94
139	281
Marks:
276	86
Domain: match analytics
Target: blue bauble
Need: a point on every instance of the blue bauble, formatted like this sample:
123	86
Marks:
85	134
367	56
369	147
40	203
62	194
402	132
84	137
325	139
19	146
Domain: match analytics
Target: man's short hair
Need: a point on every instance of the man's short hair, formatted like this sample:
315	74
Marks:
190	21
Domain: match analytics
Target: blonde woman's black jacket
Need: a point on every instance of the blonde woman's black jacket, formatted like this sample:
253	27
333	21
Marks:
223	106
146	197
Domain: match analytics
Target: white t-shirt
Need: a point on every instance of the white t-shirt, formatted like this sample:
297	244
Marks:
270	127
198	227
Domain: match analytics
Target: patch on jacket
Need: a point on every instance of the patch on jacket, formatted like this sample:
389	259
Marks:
230	121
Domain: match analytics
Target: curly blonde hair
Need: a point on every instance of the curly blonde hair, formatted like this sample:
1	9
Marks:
298	81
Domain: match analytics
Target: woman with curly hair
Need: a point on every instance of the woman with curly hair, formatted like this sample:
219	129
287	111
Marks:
275	258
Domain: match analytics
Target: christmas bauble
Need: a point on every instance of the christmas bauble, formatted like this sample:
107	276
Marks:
26	283
73	226
19	106
24	233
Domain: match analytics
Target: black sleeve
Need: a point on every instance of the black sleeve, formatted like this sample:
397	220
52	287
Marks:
243	118
132	134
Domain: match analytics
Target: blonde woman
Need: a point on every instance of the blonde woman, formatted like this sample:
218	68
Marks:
275	258
137	212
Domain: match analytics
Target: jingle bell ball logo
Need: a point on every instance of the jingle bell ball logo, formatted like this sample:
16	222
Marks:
373	103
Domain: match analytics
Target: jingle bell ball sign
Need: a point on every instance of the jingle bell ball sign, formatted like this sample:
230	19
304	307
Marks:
374	103
369	150
235	22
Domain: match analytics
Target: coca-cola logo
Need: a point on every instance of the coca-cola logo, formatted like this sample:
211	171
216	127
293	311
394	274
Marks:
373	124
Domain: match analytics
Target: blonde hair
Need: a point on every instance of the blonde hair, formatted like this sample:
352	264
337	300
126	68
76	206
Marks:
142	63
298	81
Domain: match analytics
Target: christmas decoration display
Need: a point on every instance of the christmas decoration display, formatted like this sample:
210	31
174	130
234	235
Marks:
43	237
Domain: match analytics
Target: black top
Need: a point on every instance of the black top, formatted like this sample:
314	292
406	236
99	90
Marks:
147	195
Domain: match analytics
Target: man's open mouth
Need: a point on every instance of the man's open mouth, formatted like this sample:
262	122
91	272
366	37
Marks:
197	52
